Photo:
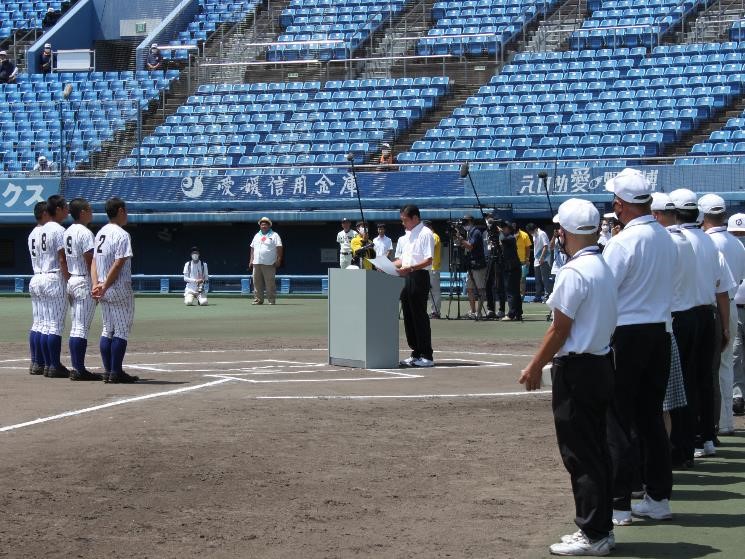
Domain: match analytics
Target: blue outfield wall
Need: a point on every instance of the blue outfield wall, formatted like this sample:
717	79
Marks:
200	198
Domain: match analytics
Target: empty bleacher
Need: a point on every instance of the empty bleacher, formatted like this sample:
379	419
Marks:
479	27
38	120
345	24
617	23
604	104
212	14
303	124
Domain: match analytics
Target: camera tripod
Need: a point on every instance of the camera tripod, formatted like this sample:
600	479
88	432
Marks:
456	262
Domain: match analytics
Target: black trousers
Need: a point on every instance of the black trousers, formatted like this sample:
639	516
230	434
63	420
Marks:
694	331
582	392
416	321
642	354
493	282
512	287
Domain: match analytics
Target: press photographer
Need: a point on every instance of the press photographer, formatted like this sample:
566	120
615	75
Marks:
475	258
494	268
196	277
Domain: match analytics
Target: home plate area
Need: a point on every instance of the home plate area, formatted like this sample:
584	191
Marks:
456	372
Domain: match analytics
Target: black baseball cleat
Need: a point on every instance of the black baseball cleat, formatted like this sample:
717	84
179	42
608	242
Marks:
58	372
46	370
84	375
36	369
121	378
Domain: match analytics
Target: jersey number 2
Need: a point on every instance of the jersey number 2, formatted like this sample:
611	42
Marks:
100	244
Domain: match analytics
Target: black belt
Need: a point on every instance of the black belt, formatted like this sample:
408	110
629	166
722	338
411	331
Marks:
346	253
740	306
572	355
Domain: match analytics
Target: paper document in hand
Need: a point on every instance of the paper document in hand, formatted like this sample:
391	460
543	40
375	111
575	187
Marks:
383	264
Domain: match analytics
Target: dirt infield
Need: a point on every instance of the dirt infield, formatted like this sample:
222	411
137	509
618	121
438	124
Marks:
230	450
266	455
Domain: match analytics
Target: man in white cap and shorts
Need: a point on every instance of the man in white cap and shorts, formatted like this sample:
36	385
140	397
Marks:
585	310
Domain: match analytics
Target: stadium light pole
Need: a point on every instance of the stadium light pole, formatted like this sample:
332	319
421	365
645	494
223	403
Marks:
66	92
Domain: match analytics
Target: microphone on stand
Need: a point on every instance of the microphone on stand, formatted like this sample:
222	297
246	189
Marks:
465	171
350	158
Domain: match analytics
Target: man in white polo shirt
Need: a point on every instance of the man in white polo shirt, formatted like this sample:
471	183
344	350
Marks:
417	252
641	257
584	305
736	226
693	427
715	225
266	257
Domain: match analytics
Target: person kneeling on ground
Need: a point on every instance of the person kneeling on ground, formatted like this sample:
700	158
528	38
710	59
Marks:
196	277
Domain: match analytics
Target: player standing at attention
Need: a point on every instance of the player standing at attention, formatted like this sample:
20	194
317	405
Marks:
79	253
37	326
54	275
111	271
585	307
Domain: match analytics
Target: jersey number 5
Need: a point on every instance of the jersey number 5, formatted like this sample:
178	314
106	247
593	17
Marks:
100	244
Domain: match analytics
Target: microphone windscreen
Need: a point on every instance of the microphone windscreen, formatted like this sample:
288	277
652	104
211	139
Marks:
67	91
350	156
464	170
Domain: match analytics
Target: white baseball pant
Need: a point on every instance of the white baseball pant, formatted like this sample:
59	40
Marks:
191	298
117	311
33	290
82	306
726	374
53	302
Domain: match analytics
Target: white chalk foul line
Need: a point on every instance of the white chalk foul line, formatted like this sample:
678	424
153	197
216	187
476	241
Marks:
284	381
115	403
404	396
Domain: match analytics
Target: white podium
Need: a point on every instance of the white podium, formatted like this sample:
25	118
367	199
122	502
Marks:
363	318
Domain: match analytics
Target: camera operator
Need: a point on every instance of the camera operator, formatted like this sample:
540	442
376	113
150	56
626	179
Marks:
512	266
362	247
494	268
473	243
196	278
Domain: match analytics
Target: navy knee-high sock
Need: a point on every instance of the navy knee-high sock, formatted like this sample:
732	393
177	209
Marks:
105	346
32	345
77	353
41	349
118	349
54	343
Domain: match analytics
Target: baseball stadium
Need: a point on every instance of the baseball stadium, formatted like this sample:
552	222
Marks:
282	398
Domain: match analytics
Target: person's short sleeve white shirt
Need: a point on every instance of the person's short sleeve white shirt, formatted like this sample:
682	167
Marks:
585	292
265	247
382	246
540	240
419	246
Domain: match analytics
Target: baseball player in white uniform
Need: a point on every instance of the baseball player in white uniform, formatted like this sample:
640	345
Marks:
112	275
196	277
79	243
344	238
54	275
35	335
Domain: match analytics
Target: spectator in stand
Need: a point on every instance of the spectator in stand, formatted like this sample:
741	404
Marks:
386	158
45	59
154	59
43	166
8	70
50	19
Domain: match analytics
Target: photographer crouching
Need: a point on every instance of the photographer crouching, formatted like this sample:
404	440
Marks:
473	243
196	278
